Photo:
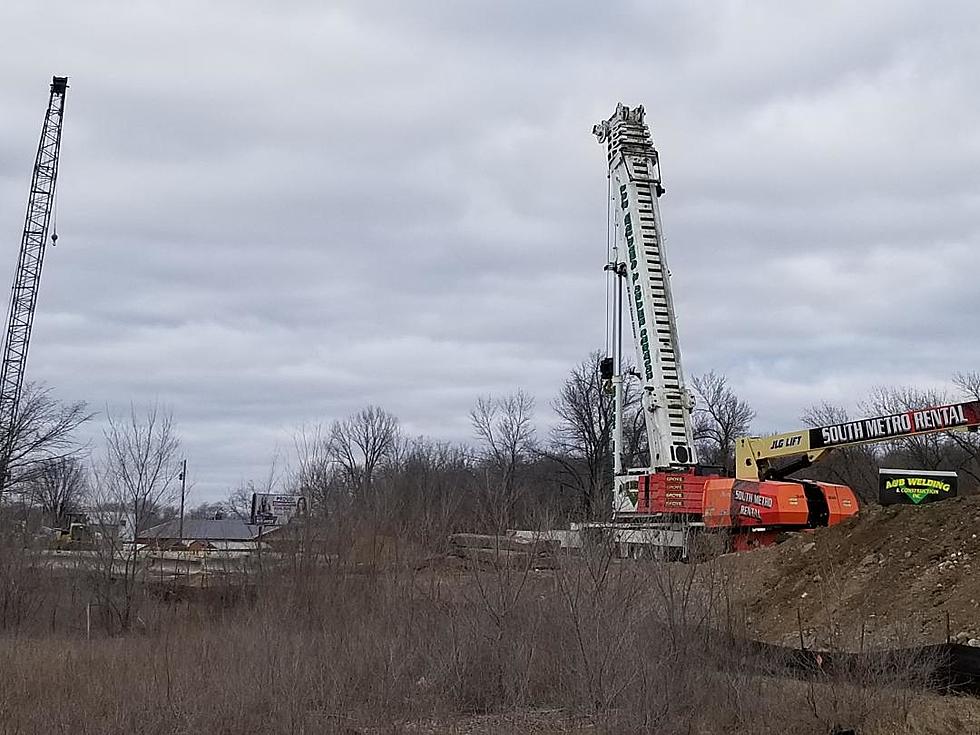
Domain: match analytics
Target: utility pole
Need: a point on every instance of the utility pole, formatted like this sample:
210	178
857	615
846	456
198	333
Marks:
183	489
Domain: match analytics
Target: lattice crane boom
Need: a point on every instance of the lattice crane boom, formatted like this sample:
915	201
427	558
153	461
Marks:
27	277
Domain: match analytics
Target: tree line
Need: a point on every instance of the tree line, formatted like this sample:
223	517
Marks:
364	467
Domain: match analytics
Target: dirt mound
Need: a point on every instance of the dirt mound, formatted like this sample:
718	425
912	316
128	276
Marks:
893	574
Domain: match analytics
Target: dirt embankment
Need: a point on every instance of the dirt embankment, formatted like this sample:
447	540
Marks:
891	575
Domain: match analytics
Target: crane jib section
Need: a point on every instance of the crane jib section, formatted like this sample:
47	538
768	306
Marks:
635	188
23	298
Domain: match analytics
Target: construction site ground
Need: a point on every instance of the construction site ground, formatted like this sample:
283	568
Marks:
894	574
893	577
900	575
886	578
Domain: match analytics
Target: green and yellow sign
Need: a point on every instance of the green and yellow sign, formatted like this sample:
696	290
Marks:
915	486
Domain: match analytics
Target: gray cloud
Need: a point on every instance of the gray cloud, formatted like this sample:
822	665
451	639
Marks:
270	216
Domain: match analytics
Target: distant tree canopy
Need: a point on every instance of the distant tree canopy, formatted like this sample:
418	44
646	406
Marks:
43	438
720	417
362	468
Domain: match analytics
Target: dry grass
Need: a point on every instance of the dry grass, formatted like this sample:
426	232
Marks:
320	646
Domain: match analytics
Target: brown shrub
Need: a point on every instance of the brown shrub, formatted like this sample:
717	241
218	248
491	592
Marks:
310	643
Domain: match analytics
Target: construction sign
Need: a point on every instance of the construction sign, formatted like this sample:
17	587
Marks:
915	487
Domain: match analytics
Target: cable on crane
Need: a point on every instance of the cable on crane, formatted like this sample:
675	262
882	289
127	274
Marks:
54	220
609	347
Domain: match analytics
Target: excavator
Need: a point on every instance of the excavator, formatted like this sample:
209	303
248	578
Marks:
665	503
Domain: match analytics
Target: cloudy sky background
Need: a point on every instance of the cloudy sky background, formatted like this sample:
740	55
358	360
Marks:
271	214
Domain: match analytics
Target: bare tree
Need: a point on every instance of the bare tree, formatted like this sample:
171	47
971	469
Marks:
824	414
141	463
505	429
43	431
581	441
58	488
636	445
239	500
929	451
856	467
720	417
135	479
338	469
207	511
968	384
430	490
318	475
360	444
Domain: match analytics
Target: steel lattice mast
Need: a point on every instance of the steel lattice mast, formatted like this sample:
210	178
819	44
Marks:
27	277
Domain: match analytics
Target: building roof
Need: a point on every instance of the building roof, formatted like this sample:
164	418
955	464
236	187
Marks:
226	529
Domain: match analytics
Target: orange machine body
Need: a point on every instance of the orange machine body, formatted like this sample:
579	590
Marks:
763	507
673	493
732	503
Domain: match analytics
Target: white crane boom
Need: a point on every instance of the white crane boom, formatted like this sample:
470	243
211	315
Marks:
640	259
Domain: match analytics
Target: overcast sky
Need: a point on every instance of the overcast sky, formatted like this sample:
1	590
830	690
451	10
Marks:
271	214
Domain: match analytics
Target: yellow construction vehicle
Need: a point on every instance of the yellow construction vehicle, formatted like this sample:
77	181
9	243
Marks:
76	536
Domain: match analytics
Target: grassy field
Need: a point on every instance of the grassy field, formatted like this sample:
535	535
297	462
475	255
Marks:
423	645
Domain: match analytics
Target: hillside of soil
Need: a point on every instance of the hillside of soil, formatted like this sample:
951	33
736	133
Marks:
893	575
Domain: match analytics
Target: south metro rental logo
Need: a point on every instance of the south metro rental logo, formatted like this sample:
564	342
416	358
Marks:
938	418
915	486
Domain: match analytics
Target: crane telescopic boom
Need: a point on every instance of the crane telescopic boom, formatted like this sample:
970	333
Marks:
27	277
639	264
